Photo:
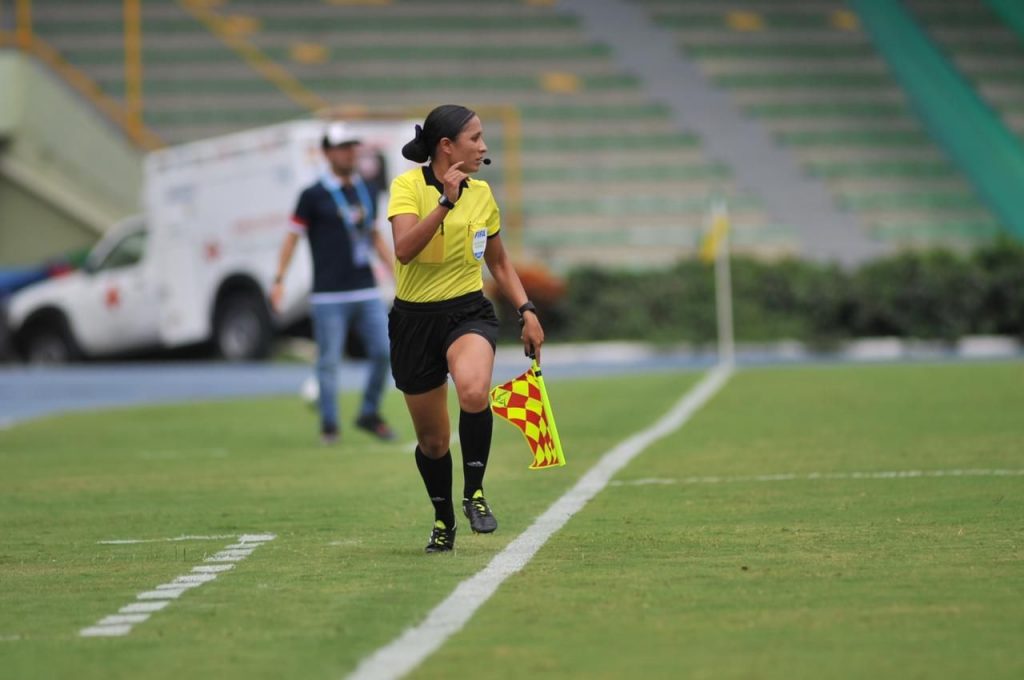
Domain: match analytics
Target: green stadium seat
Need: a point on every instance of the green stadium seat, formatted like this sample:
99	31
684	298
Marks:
812	76
588	130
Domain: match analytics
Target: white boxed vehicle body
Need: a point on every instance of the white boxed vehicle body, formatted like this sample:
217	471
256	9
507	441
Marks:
198	264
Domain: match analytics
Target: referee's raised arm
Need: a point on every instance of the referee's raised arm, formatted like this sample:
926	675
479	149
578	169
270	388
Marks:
411	234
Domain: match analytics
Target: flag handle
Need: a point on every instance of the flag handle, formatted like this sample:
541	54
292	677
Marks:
547	409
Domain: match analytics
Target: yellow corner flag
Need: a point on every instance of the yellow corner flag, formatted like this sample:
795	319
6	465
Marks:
523	402
716	233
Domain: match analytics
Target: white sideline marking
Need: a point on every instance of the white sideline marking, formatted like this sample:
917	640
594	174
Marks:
408	650
141	607
194	579
106	631
812	476
212	568
165	594
151	601
256	538
233	553
128	541
643	482
228	556
174	585
122	618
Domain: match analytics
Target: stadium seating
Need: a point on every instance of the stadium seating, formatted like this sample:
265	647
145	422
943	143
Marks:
807	70
607	174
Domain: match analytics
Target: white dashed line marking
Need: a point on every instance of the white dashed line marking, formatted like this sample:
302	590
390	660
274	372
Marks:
151	601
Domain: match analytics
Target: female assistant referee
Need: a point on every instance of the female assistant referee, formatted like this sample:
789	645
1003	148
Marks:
445	226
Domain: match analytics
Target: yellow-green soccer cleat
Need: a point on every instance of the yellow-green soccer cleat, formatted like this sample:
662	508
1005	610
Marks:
442	539
481	521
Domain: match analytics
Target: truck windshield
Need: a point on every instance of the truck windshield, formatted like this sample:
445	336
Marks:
126	253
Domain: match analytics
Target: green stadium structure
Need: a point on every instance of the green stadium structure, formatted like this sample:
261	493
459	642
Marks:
607	174
608	177
812	75
987	51
66	173
954	114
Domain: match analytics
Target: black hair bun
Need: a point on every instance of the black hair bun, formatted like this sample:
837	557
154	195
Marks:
416	151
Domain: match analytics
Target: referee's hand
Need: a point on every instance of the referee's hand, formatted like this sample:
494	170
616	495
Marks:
452	179
532	335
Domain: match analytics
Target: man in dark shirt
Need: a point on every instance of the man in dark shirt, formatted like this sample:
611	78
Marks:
338	215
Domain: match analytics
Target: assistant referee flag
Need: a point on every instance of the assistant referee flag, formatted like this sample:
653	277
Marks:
524	402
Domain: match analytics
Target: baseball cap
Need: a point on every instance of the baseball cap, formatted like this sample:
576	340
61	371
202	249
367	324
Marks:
339	134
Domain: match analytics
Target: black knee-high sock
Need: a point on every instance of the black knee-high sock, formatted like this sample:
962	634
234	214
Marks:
475	434
437	477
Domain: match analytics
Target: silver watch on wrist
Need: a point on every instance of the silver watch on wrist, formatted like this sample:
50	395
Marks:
444	202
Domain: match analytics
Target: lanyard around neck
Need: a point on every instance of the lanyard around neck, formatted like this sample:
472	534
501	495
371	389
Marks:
345	210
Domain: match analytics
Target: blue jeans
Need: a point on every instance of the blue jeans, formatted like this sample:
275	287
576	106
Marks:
330	328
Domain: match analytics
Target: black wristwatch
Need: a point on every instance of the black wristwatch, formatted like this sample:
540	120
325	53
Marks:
526	307
444	202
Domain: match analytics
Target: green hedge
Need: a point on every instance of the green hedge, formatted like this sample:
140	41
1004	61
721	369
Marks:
934	294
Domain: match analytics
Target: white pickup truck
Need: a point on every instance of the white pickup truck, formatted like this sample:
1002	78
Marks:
197	265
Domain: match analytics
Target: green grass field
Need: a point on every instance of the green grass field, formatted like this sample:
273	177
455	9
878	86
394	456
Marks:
688	565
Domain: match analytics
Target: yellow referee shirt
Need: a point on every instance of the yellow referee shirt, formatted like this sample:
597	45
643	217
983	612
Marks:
450	264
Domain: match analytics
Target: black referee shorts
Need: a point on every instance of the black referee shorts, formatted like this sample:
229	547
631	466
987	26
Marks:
422	332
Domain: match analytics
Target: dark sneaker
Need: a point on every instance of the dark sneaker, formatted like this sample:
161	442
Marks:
329	434
481	521
373	424
442	539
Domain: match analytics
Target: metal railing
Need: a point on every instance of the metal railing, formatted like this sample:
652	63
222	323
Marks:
127	116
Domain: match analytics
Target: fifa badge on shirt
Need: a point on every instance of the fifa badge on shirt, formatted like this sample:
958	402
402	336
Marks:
479	243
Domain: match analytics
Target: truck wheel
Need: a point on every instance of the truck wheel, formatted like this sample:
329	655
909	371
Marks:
242	329
49	344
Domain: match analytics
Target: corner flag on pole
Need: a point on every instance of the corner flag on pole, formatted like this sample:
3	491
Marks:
715	248
717	231
524	402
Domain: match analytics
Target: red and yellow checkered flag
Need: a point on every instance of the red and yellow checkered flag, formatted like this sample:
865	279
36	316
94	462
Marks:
524	403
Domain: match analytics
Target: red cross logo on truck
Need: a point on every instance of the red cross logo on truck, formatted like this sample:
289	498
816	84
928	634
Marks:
113	298
211	251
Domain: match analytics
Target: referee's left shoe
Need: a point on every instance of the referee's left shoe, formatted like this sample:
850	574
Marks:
481	521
